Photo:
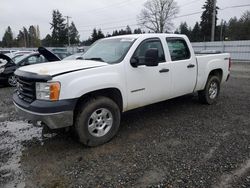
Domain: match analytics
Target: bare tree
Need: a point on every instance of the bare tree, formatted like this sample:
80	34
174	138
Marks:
157	15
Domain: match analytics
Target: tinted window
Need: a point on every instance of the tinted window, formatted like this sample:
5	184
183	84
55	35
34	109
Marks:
178	49
149	44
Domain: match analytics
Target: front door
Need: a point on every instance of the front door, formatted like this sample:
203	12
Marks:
147	85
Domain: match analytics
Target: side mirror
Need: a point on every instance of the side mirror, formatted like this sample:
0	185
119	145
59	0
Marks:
134	61
152	57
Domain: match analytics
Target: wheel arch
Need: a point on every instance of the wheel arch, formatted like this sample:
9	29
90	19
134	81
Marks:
112	93
216	72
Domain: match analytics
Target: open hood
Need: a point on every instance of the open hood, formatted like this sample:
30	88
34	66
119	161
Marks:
50	56
6	58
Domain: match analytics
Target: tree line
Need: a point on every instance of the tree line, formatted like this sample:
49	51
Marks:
163	11
31	37
234	29
25	38
61	32
98	34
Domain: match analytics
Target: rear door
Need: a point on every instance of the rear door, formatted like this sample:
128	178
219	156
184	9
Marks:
183	66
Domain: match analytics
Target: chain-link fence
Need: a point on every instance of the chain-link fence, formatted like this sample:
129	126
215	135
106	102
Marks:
239	50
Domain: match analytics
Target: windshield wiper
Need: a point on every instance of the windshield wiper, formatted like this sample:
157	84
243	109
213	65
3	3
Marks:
95	59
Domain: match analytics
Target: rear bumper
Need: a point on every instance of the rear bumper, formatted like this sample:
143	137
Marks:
52	120
55	115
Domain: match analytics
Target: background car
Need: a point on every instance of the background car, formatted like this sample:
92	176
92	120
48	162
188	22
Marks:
8	66
17	54
6	51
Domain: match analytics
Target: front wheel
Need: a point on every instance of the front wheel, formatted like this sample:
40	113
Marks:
12	81
97	121
211	92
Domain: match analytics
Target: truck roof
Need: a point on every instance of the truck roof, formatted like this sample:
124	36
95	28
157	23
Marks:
147	35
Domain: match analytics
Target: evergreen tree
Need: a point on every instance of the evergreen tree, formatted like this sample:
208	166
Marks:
20	39
8	39
138	31
26	37
100	34
128	30
232	30
207	19
32	36
244	23
87	42
47	41
122	32
59	29
115	33
184	29
94	35
73	34
38	39
177	31
196	33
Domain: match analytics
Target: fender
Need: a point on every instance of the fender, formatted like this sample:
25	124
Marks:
93	80
205	69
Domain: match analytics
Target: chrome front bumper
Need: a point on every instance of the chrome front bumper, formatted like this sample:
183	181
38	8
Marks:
52	120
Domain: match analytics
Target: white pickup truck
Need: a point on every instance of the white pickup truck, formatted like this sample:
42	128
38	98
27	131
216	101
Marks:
115	75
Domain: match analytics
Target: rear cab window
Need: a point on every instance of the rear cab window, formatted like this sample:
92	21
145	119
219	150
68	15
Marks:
178	49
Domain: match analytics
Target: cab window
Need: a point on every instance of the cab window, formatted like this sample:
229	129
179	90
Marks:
149	44
178	49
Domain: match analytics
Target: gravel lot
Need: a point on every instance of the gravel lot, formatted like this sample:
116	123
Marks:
177	143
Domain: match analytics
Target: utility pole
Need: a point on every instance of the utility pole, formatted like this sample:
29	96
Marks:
68	29
221	30
213	21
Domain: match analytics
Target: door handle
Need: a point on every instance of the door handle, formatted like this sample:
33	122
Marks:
164	70
191	66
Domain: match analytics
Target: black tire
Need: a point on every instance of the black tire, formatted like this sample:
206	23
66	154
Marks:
12	80
205	96
84	118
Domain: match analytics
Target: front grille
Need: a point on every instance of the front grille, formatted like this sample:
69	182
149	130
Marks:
26	89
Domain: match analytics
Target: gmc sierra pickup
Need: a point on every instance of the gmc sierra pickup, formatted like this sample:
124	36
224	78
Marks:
115	75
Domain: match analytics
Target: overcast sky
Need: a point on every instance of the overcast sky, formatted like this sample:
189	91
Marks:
105	14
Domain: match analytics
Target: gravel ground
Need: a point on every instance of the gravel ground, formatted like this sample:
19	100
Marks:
177	143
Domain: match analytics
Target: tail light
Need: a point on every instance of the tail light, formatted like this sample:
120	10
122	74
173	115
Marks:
229	64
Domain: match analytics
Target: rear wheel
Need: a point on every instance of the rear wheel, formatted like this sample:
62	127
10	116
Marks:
97	121
211	92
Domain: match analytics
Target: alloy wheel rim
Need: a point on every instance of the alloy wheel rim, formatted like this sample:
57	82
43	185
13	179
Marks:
213	90
12	81
100	122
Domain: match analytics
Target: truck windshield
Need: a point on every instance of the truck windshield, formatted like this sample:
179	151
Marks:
109	50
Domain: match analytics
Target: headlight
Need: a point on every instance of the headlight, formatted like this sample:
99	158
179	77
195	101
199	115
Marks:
1	69
48	91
